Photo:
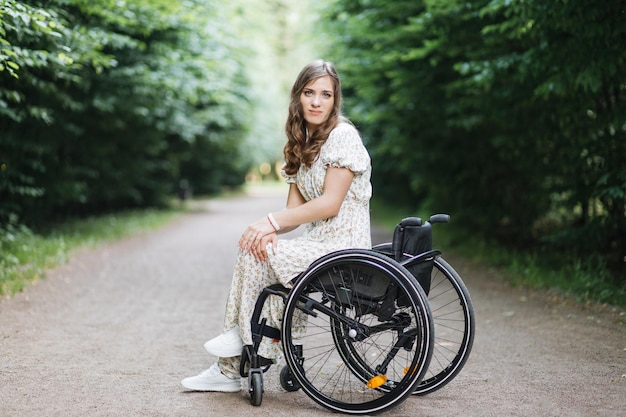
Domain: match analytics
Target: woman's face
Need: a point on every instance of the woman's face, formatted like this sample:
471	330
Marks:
317	100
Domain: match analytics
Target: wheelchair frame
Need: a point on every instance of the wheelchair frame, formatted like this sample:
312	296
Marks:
398	317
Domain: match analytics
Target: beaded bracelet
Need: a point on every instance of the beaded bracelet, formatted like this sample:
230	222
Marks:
273	222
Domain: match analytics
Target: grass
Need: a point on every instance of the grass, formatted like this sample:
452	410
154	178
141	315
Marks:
25	255
586	280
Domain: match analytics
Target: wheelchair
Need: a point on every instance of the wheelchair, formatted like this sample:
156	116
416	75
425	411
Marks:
363	330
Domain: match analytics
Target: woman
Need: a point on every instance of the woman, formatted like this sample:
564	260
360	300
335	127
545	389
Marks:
328	170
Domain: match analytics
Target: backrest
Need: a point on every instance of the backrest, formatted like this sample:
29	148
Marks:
412	237
412	240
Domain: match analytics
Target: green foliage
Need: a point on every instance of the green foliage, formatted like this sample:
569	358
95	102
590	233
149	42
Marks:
508	114
104	110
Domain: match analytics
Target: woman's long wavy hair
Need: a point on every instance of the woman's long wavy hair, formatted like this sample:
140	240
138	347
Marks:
299	150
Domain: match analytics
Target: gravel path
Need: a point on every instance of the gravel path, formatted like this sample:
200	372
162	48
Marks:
114	331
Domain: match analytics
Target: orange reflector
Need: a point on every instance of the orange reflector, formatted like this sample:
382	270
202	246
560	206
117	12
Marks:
406	370
376	381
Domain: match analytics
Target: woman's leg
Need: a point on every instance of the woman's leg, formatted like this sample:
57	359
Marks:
250	277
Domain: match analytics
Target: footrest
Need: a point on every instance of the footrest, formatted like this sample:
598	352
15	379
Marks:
252	362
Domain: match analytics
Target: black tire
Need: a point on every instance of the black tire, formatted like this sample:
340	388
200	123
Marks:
453	316
256	389
287	381
342	296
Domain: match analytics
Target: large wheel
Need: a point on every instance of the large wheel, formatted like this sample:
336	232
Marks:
357	332
453	316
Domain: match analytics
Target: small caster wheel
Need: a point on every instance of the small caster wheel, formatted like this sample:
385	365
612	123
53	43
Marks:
287	381
256	389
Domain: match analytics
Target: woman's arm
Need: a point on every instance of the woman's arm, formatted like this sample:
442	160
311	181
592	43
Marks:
294	199
336	185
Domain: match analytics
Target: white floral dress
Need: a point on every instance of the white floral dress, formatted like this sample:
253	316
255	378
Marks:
350	228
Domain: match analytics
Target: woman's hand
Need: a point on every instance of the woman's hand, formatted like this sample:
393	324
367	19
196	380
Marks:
254	234
260	251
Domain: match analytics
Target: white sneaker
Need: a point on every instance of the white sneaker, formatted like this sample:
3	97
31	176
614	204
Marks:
226	345
212	379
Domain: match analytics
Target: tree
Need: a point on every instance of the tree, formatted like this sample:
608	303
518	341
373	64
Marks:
492	110
102	110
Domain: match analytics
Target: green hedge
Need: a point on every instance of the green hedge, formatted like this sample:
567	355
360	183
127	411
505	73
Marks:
106	105
508	114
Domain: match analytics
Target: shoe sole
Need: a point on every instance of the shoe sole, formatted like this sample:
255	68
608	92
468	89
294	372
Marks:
212	389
